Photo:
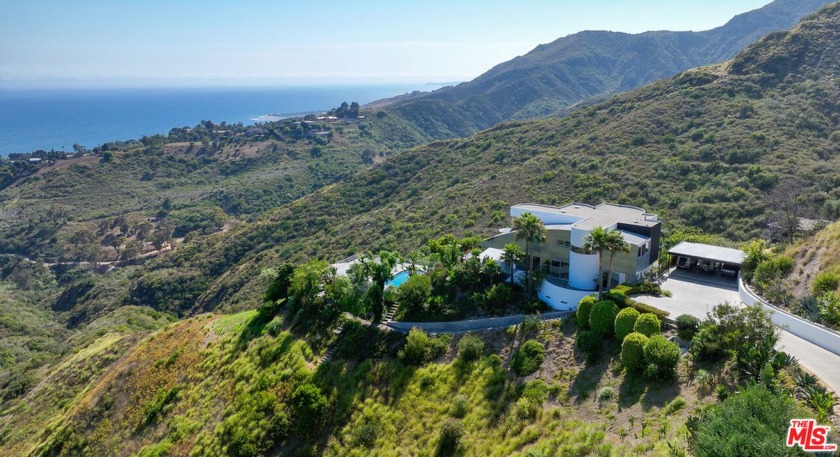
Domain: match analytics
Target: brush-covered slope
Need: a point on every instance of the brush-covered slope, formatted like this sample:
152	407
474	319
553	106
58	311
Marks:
813	256
702	149
229	385
586	65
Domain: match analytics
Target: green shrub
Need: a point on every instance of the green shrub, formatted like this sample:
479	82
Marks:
531	323
602	318
367	431
274	327
584	309
589	343
645	308
687	326
825	282
460	406
413	295
533	394
624	322
605	393
493	361
633	351
648	325
451	441
420	347
528	358
661	358
616	297
470	348
754	422
310	407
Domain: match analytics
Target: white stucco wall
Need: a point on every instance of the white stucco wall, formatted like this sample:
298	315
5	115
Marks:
583	268
559	298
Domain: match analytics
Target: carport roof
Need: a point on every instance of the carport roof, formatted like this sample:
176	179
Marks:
709	252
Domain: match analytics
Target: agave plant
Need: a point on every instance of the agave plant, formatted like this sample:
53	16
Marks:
823	403
785	360
804	381
809	308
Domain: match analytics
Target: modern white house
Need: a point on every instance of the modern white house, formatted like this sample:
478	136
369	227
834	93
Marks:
571	273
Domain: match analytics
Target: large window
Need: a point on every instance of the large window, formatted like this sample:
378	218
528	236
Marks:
556	269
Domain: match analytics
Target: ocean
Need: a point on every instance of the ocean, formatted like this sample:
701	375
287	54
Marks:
33	119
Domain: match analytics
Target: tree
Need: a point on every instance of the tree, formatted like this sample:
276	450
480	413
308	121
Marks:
615	243
531	230
597	241
378	270
310	407
786	200
305	285
414	294
511	255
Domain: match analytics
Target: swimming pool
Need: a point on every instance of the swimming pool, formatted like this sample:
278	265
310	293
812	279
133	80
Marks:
398	279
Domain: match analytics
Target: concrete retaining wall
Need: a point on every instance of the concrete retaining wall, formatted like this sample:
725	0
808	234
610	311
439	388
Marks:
471	325
809	331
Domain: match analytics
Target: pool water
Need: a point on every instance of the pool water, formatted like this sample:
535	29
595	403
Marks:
398	279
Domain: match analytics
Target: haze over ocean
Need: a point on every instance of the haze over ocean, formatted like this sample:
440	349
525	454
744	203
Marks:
32	119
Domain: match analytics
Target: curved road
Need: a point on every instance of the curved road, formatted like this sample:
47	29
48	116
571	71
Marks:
697	296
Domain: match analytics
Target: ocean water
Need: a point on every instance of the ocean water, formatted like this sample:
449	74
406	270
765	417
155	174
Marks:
32	119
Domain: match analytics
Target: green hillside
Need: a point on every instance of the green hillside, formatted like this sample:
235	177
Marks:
702	149
587	65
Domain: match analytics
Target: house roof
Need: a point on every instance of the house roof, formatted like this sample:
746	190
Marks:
588	217
634	238
709	252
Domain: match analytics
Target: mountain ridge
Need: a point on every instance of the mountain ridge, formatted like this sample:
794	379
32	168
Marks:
588	64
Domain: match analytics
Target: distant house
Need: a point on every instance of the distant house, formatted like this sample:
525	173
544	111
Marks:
35	160
571	272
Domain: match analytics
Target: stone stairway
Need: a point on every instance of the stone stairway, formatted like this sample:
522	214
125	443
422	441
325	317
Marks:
389	316
331	351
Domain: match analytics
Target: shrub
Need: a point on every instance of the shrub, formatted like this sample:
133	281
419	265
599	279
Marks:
367	431
460	406
648	325
687	326
529	358
533	394
707	344
531	323
584	309
274	327
619	298
589	343
493	361
413	295
825	282
624	322
605	393
420	347
602	318
645	308
754	422
470	348
451	441
661	357
633	351
310	407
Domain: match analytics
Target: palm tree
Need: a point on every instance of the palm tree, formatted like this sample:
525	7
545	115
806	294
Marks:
512	254
615	243
597	241
532	230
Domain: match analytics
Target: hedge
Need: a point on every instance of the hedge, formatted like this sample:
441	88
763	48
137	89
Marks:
661	357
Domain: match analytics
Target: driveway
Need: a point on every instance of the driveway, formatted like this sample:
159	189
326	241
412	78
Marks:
696	295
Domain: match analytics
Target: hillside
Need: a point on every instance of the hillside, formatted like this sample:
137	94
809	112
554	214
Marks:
587	65
702	149
215	385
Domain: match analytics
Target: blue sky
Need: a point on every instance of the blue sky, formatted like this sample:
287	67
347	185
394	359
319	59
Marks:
280	42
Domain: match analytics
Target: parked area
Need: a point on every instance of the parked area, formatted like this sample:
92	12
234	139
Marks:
696	294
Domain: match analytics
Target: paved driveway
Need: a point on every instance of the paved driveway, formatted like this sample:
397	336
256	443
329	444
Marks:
696	295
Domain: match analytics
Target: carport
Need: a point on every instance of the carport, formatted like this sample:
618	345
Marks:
707	258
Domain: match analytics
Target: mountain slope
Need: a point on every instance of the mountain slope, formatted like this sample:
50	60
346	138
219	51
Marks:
586	65
702	149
